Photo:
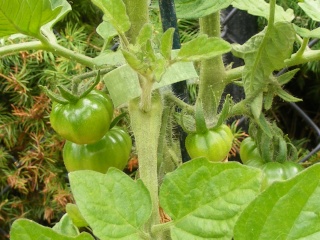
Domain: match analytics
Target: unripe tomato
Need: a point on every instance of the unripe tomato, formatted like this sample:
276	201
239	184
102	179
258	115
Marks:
112	150
249	153
84	121
213	144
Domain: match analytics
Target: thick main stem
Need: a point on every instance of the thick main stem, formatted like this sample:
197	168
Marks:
146	128
145	123
212	71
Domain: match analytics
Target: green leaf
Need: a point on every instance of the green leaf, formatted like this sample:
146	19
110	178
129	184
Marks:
27	17
166	43
286	210
106	30
306	33
286	96
133	61
115	13
256	105
199	8
202	48
311	8
264	53
110	58
114	205
75	215
28	230
204	199
123	83
145	34
261	8
66	227
286	77
47	28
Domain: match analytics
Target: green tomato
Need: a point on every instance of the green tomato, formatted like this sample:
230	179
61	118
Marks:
291	169
249	153
214	144
272	171
112	150
84	121
275	171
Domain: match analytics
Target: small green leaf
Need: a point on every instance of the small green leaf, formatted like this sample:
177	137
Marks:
106	30
115	13
27	17
261	8
268	99
114	205
28	230
159	68
75	215
256	105
133	61
286	210
66	227
202	48
306	33
204	199
286	77
166	43
145	34
311	8
286	96
199	8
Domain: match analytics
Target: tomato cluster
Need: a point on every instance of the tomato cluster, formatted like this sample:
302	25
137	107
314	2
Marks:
272	171
90	143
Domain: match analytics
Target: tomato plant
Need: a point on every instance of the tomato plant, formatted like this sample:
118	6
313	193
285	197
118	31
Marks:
214	144
138	77
84	121
112	150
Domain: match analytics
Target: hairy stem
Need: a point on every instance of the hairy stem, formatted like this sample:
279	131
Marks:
212	72
146	128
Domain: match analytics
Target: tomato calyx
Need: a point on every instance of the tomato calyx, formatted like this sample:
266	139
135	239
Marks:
66	96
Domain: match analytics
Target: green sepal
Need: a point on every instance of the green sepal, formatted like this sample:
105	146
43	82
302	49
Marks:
225	110
201	126
185	120
281	151
94	84
67	94
117	119
266	147
53	96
